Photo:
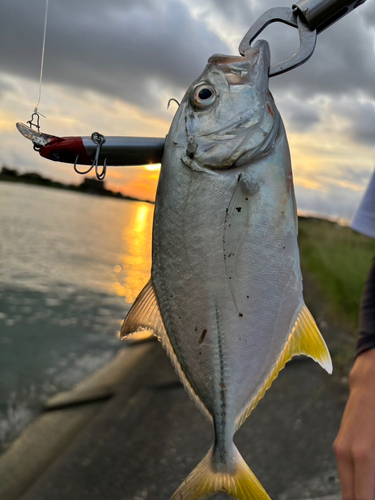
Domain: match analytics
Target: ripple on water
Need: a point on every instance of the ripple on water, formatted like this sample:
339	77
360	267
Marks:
67	280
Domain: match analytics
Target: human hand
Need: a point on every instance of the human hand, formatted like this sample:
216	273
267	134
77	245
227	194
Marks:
355	443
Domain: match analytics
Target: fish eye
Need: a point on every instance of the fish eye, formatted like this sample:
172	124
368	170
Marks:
204	95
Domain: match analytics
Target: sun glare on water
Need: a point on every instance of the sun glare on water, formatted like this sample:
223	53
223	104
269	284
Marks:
133	271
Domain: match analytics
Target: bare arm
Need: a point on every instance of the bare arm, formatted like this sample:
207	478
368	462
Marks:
355	443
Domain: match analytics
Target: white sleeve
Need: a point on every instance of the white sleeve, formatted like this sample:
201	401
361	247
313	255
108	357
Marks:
364	218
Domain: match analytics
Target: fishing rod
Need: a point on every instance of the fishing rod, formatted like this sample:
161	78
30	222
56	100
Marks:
309	17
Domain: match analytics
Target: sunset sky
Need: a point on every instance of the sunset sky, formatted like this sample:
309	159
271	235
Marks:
112	66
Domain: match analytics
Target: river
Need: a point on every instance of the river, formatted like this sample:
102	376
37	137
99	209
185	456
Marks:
71	264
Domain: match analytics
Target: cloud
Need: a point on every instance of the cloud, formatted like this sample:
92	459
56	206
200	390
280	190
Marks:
128	50
369	18
5	87
360	118
355	174
338	201
144	51
300	117
343	63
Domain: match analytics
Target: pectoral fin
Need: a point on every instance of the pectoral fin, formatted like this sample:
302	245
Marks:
304	338
236	226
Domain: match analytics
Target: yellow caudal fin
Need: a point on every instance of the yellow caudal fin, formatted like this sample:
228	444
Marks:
304	338
204	482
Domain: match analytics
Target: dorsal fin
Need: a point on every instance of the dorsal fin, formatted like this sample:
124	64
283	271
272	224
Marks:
304	338
145	315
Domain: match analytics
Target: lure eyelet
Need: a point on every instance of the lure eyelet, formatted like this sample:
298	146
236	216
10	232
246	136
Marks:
204	95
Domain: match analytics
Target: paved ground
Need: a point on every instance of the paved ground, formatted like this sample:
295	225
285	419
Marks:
143	441
137	435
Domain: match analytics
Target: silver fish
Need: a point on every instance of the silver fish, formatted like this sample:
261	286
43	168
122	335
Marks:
225	295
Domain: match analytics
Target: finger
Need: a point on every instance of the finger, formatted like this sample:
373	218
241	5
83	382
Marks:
345	468
364	468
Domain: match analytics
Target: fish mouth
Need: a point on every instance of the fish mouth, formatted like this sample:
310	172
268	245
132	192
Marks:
250	70
239	70
254	128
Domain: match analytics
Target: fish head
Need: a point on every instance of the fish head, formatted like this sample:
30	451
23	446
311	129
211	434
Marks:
228	117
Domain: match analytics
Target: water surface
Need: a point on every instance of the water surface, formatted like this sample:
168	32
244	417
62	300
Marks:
70	266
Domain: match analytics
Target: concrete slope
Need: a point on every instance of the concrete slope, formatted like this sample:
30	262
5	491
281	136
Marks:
143	444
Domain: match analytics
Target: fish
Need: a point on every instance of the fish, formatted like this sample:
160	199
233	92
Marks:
225	295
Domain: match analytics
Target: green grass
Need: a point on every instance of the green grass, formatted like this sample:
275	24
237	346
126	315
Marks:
337	260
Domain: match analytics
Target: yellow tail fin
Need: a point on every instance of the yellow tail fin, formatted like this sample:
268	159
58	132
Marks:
204	481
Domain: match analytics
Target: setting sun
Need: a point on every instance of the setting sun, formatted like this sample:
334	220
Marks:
156	166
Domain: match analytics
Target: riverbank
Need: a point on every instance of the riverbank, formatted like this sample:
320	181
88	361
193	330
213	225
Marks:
88	185
65	416
335	261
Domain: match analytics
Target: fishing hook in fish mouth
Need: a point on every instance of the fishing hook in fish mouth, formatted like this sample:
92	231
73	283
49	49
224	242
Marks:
99	140
172	99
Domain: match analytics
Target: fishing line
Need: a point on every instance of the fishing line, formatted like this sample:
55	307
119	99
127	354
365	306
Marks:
43	49
36	113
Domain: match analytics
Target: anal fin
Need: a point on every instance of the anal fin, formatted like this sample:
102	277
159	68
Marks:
304	338
145	315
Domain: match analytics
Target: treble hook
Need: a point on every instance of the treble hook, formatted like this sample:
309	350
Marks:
173	99
99	140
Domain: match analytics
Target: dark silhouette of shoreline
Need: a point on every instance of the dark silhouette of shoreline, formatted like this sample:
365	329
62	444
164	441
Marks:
88	185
